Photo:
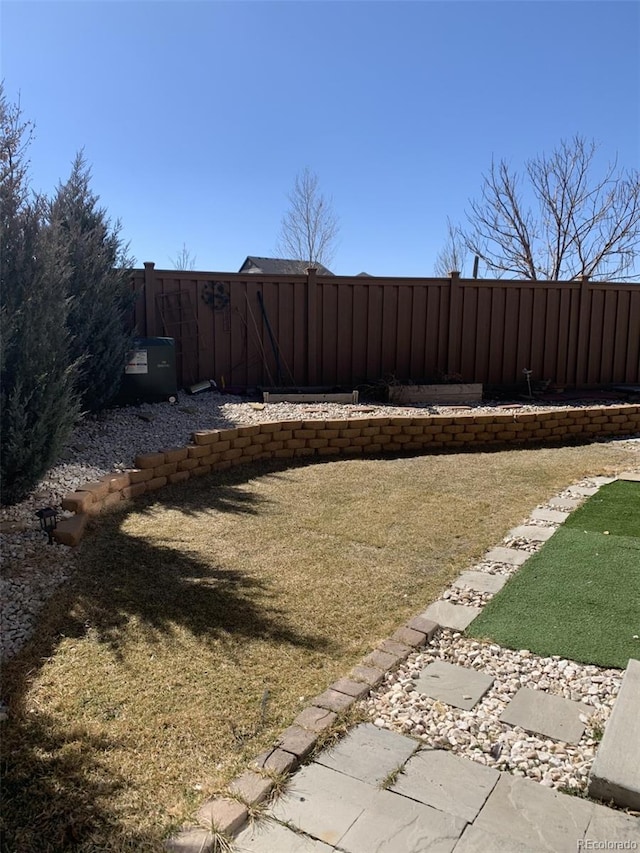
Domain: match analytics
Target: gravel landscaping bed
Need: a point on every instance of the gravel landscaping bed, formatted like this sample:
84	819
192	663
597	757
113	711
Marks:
478	734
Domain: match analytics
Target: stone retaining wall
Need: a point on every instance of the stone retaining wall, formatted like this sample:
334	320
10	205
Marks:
218	450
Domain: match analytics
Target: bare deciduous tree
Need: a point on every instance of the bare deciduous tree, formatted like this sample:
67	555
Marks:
453	255
310	228
184	260
580	225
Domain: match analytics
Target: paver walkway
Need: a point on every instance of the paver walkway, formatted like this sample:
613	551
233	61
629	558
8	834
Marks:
379	792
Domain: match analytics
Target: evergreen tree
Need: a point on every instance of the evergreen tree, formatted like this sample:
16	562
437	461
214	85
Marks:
99	287
38	404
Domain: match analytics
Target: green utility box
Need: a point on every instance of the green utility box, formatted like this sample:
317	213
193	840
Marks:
150	373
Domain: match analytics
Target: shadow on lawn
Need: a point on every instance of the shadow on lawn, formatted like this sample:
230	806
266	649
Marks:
55	791
224	492
122	577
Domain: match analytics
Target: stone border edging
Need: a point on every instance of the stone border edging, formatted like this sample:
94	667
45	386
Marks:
219	450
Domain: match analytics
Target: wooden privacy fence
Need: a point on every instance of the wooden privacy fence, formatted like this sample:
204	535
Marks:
262	330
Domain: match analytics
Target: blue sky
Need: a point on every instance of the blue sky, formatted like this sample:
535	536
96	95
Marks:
196	116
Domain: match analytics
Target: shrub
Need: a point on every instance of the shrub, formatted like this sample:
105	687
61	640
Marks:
38	404
98	286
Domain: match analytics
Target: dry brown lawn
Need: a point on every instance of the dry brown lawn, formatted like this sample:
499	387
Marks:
201	620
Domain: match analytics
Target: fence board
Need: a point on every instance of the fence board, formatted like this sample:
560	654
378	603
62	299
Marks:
350	331
360	333
344	337
496	334
632	373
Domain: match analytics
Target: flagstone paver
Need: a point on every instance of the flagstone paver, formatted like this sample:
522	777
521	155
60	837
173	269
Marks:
536	816
609	825
271	837
565	503
481	581
476	840
394	824
456	616
584	491
615	774
531	532
369	753
454	685
447	782
323	803
553	515
508	556
546	714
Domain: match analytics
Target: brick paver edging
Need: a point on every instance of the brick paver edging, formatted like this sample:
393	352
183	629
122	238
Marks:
218	450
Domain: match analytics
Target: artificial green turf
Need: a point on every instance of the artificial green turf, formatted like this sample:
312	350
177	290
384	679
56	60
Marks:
615	508
579	596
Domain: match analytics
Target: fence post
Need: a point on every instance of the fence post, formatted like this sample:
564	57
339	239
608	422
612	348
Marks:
582	344
312	327
455	324
149	301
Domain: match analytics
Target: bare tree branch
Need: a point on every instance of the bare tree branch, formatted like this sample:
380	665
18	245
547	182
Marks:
453	255
583	224
184	260
309	228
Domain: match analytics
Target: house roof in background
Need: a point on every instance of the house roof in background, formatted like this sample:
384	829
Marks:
280	266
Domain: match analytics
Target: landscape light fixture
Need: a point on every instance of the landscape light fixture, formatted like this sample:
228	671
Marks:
48	521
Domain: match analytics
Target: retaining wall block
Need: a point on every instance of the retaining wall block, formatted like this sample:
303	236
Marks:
70	530
117	482
187	464
241	441
176	454
166	469
204	437
112	499
201	470
77	501
156	483
252	450
249	430
134	491
305	432
99	489
233	453
149	460
197	451
140	475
